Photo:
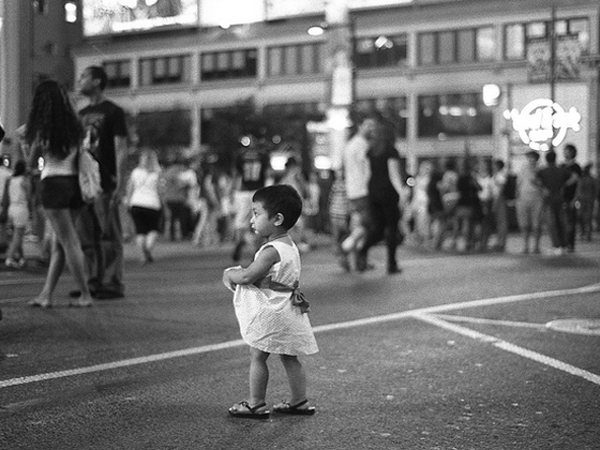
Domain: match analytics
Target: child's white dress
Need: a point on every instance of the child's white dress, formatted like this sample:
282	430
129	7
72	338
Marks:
268	320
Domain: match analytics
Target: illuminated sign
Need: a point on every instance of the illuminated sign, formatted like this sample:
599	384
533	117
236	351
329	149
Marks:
101	17
543	123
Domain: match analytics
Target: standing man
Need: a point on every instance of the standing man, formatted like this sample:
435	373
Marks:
553	179
570	210
357	173
253	168
100	231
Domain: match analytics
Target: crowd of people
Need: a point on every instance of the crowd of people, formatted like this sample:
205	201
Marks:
468	208
460	204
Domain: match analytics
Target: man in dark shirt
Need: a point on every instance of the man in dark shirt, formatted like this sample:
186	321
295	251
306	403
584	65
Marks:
252	170
100	231
570	210
553	179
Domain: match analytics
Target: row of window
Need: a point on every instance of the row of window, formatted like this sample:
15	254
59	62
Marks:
439	116
457	46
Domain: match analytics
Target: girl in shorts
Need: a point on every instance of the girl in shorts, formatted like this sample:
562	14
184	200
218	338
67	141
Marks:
270	310
53	131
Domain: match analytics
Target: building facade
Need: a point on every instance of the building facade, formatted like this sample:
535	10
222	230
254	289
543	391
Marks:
36	39
422	64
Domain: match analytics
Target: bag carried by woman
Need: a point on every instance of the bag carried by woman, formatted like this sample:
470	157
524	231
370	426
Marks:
88	172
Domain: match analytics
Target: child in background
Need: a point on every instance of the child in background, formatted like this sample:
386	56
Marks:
18	190
270	310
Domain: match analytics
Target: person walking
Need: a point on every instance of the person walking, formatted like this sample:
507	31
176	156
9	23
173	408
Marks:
354	162
553	179
53	131
569	191
270	310
143	198
18	191
101	231
530	203
385	186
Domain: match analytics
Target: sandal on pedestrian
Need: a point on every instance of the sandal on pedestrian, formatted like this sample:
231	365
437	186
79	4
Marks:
297	409
81	304
40	303
244	410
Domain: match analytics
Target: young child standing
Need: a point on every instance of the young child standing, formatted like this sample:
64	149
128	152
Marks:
270	310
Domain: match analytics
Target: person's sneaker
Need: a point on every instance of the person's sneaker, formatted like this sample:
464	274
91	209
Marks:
108	295
22	263
11	263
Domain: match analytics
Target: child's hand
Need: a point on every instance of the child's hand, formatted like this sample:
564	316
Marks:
226	281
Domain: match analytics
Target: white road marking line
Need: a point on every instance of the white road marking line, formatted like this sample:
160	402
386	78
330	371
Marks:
507	346
122	363
318	329
479	320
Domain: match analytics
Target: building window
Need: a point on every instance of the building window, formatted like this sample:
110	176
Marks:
381	51
230	64
294	60
517	36
40	6
454	115
165	70
118	73
393	110
457	46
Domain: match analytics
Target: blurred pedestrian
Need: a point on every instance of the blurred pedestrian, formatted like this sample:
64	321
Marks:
101	232
553	180
501	196
585	198
143	198
270	310
253	169
5	174
293	176
18	191
468	213
357	173
530	203
419	204
569	191
486	197
177	195
339	218
385	186
54	132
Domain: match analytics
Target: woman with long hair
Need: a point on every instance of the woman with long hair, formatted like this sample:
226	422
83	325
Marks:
53	131
143	198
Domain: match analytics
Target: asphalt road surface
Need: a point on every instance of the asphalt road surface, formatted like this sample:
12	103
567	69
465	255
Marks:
493	351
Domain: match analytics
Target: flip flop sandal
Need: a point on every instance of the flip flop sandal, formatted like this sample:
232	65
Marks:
249	412
286	408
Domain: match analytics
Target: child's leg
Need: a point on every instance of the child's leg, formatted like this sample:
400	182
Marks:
259	376
296	378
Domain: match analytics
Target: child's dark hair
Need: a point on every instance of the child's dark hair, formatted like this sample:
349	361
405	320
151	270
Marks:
283	199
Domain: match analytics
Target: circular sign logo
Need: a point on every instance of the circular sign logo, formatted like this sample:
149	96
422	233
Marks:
543	123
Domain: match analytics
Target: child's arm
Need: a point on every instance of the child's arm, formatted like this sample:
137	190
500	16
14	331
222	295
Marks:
258	269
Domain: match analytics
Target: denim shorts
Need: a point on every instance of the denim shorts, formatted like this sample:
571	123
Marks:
61	192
